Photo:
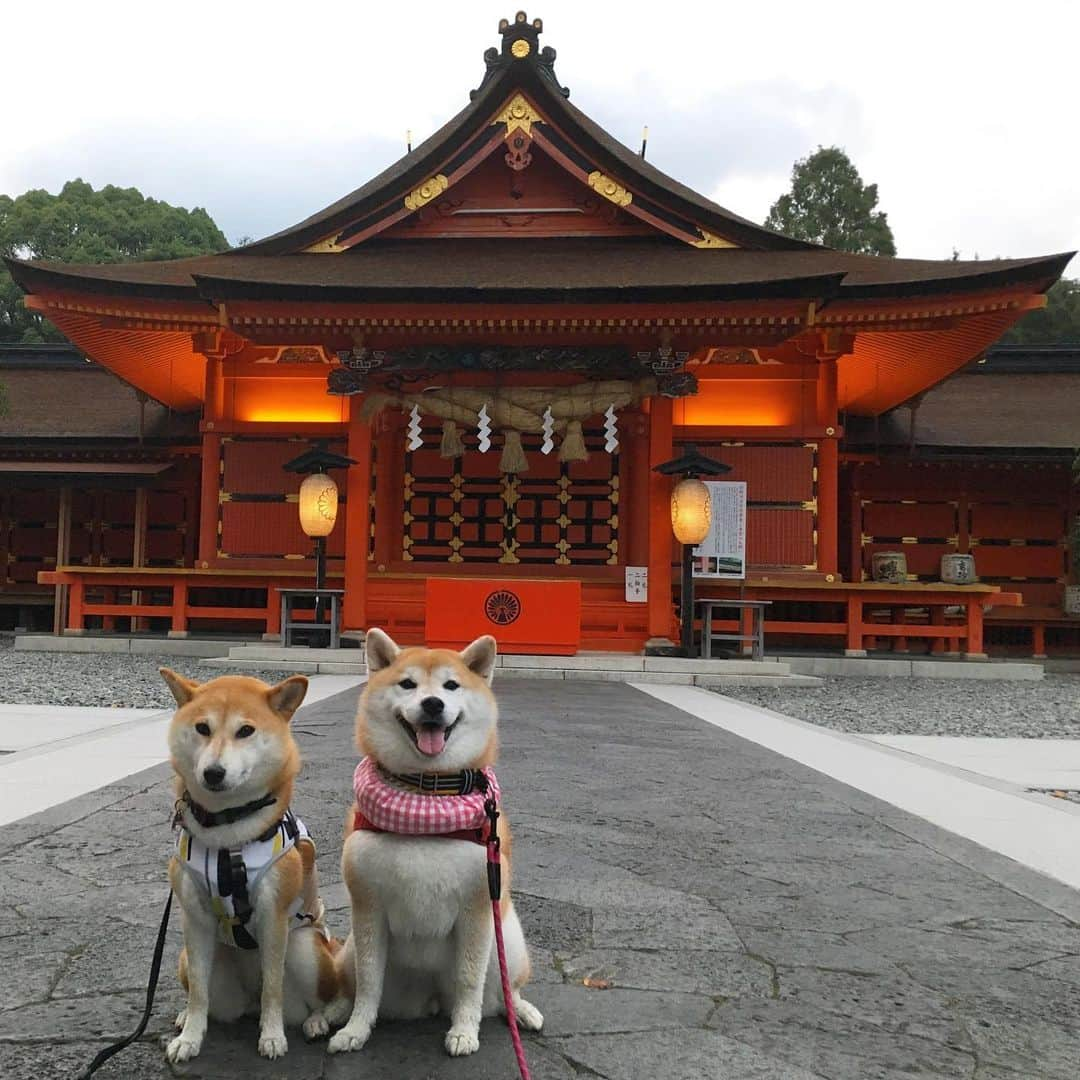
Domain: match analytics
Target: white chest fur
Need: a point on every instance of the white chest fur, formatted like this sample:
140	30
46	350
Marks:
422	884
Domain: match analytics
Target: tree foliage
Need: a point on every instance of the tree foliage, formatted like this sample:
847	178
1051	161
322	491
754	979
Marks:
829	204
1057	323
81	225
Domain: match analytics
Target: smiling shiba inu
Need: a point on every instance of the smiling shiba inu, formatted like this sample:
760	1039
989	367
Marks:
244	870
422	934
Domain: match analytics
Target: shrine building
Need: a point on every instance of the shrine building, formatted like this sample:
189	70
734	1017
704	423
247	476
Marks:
506	331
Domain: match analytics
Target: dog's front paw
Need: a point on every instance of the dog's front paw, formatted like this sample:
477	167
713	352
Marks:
528	1015
316	1026
462	1040
181	1020
181	1049
349	1038
273	1046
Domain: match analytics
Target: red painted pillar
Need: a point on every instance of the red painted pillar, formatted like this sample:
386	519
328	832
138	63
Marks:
634	490
856	645
390	465
357	519
661	614
208	500
76	619
975	629
828	491
828	507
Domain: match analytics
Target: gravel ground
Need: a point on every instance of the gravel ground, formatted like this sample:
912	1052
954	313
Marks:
99	679
1049	709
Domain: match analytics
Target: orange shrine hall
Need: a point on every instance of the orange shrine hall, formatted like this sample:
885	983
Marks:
506	330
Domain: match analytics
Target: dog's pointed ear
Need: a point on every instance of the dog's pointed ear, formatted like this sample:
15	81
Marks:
285	698
479	657
182	689
380	649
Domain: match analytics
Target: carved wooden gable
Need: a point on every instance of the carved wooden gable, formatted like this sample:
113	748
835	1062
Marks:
503	197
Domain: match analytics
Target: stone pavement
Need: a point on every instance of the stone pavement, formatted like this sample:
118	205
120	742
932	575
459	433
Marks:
753	918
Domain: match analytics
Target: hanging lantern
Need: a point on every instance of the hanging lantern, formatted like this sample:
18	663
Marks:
318	505
691	511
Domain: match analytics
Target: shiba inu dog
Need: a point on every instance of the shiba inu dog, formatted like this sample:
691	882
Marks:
422	934
244	869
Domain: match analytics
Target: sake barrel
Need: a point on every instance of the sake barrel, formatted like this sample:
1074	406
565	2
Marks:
889	567
958	569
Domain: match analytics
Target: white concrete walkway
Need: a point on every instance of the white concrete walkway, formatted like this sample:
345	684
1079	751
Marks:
1042	763
63	752
1038	831
24	727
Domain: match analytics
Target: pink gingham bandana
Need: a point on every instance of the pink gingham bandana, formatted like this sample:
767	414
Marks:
392	810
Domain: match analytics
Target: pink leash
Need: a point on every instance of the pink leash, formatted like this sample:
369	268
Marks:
494	872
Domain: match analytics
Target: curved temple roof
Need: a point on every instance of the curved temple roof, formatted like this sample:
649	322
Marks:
698	249
568	269
519	213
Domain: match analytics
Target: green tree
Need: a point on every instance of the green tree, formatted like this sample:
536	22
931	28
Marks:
1057	323
81	225
829	204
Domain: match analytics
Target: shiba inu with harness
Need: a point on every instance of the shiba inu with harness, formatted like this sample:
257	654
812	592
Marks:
244	868
418	853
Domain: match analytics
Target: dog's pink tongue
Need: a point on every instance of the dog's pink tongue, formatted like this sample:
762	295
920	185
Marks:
431	740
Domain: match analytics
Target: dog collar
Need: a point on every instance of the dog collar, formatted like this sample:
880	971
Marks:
429	783
394	809
209	818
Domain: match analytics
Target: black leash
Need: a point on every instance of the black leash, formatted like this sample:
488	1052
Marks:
151	989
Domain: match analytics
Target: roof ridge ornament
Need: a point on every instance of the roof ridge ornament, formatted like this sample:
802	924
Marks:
520	45
519	113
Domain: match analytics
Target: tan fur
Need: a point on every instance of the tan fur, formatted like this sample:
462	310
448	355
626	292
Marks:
290	878
408	934
427	660
217	978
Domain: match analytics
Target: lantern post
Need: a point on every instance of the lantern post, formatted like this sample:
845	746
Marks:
691	515
318	505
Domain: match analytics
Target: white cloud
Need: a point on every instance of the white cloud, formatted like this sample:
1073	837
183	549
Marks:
263	112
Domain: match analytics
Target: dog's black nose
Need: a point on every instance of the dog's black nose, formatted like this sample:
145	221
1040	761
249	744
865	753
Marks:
213	775
433	706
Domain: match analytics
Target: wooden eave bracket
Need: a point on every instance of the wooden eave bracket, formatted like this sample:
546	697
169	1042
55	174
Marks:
126	313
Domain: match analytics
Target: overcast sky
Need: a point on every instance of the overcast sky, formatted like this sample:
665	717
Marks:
264	112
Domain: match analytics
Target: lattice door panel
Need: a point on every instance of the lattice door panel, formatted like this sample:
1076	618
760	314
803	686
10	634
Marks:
464	510
257	501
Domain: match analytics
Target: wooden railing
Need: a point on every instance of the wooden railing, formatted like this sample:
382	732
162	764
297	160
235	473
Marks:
948	618
158	593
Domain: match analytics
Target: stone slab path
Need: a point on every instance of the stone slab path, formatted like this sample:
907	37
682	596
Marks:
753	919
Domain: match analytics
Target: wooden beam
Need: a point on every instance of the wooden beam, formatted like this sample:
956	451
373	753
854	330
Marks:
357	519
390	461
138	548
208	500
63	552
661	449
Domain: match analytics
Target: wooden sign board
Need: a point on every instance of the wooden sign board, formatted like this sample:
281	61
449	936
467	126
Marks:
523	616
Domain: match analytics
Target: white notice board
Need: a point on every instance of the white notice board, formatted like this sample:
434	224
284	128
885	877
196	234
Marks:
723	552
